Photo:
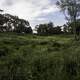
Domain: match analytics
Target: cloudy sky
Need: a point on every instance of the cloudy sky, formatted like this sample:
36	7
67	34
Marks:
35	11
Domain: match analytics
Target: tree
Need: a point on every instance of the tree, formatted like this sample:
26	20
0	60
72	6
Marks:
57	30
9	23
28	30
70	25
3	20
45	29
71	10
65	28
48	29
23	26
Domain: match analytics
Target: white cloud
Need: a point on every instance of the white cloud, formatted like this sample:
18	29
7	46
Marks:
28	9
41	19
50	9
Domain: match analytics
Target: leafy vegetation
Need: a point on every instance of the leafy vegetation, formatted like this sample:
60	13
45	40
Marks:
48	29
10	23
71	11
31	57
56	56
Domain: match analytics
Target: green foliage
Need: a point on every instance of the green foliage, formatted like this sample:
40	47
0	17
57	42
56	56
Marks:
71	10
68	27
48	29
10	23
31	57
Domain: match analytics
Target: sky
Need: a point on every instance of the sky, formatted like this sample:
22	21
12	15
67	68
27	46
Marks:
35	11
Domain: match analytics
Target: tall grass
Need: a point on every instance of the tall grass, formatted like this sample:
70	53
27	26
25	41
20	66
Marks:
31	57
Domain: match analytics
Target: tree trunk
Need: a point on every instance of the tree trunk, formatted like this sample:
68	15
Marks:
76	36
74	32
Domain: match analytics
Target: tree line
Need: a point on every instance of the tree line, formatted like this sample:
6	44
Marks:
50	29
70	9
10	23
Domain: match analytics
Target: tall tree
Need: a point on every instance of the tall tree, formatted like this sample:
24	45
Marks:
11	23
71	10
45	29
48	29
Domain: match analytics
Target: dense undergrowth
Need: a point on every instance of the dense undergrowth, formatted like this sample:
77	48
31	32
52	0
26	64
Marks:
31	57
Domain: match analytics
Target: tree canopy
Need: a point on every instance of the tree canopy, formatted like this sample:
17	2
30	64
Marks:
71	10
48	29
14	23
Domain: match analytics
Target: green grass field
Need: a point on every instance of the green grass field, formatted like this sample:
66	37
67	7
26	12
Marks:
31	57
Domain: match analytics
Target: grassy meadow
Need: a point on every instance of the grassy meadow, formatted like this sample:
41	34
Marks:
32	57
